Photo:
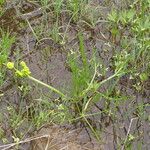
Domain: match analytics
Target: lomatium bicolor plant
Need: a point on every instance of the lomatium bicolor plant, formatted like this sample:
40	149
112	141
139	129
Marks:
25	72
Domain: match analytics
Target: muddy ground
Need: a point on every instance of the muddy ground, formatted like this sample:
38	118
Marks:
47	61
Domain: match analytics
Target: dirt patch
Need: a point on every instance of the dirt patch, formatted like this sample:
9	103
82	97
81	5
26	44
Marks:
61	138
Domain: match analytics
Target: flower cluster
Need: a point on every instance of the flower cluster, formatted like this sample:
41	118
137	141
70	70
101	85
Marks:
10	65
24	72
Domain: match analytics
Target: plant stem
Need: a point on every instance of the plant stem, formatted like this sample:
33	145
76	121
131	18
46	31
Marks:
97	137
46	85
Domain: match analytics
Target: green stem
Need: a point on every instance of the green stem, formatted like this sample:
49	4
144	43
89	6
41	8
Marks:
46	85
92	129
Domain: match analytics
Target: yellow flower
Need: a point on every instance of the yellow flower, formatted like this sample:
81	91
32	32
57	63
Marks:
19	73
23	64
10	65
24	72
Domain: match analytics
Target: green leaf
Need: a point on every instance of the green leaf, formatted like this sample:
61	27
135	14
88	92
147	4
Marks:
144	76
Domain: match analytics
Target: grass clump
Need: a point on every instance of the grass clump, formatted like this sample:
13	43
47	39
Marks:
130	29
2	2
6	42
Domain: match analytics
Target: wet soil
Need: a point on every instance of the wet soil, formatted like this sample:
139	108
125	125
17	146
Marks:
47	61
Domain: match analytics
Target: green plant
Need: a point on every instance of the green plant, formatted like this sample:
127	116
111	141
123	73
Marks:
6	42
44	3
130	44
85	88
41	117
25	72
76	8
2	2
16	119
136	44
